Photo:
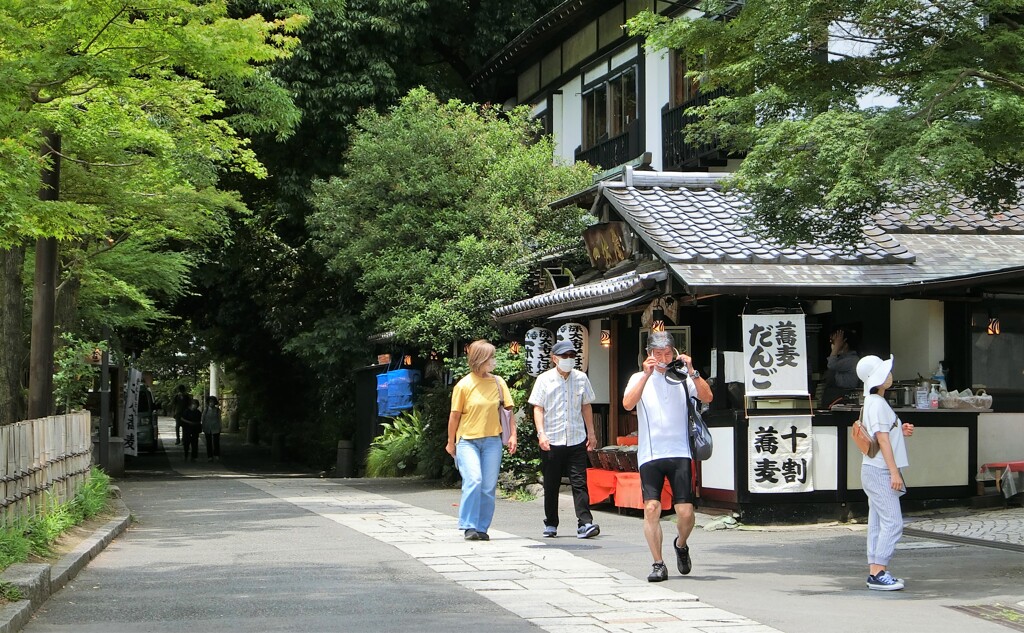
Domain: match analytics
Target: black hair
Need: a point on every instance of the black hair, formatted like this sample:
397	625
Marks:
874	390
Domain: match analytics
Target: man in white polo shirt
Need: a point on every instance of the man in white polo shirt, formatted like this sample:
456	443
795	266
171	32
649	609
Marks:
663	445
564	419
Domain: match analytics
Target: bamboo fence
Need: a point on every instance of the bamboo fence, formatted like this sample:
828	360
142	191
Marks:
43	459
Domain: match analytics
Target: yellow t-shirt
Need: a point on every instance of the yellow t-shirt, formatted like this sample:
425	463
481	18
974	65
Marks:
477	399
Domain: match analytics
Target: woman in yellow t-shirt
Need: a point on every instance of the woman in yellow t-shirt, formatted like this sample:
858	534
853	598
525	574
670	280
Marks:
474	439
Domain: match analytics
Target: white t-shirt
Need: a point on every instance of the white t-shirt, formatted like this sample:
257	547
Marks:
661	417
879	416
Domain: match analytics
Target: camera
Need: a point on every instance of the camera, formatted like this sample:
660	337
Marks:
678	369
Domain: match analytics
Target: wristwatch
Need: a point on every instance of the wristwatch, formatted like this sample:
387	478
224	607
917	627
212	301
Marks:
695	374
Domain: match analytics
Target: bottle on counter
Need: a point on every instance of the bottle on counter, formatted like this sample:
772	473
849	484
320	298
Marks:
933	397
940	377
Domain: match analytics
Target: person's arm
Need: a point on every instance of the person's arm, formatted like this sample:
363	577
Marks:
704	393
633	392
588	420
453	428
538	422
885	448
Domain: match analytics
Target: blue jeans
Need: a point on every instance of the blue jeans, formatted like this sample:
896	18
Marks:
478	461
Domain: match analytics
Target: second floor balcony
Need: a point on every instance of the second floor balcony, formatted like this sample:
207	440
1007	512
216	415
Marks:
616	150
680	155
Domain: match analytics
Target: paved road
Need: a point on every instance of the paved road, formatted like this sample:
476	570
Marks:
238	545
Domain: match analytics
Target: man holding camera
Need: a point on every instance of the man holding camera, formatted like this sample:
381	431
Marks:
664	446
564	419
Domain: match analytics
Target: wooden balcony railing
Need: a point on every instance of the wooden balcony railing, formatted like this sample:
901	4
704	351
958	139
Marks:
677	152
616	150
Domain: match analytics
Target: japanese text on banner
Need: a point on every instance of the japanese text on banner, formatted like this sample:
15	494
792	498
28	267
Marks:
780	454
775	355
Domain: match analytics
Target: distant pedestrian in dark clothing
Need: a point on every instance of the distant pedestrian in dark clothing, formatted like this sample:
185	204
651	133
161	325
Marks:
179	405
191	424
211	428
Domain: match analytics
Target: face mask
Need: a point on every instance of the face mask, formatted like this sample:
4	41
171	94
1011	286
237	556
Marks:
662	365
491	364
566	364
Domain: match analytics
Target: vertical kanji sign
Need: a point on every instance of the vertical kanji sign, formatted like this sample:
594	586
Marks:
130	416
780	454
775	355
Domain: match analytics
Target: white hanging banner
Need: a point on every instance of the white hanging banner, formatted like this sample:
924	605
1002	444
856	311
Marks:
537	350
130	416
775	355
576	333
780	454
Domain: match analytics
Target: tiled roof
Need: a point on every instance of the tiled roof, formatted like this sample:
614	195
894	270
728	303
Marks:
706	227
699	232
941	261
962	218
633	283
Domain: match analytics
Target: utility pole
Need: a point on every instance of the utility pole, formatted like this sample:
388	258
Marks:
40	377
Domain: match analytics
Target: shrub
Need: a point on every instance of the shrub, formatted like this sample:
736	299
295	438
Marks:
394	452
36	535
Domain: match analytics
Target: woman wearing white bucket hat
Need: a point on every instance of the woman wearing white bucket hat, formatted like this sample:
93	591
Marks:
880	475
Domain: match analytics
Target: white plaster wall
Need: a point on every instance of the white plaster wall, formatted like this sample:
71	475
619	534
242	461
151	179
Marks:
656	95
566	121
719	472
826	451
916	331
1000	437
938	456
597	366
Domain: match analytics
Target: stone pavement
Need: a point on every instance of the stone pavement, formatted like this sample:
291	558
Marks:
1002	528
551	588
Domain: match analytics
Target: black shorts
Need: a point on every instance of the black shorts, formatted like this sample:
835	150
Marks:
676	469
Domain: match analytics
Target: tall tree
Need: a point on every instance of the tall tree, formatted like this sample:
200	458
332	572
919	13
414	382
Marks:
844	105
438	202
140	95
290	332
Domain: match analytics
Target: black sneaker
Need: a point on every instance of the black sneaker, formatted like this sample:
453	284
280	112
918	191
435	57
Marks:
483	536
472	535
884	581
683	561
658	573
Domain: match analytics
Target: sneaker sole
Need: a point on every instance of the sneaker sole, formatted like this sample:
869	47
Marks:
660	579
596	531
885	587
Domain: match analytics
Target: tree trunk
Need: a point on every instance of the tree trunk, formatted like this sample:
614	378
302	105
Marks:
12	335
40	364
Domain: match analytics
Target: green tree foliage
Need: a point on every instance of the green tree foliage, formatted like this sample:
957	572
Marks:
152	102
139	95
291	332
819	159
439	203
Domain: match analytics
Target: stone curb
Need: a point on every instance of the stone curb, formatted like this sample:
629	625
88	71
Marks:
39	581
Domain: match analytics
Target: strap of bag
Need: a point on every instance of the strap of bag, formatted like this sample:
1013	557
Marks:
501	393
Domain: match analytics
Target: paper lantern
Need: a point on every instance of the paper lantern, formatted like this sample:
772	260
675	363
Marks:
537	347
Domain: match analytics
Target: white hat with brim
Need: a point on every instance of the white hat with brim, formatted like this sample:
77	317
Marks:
873	371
